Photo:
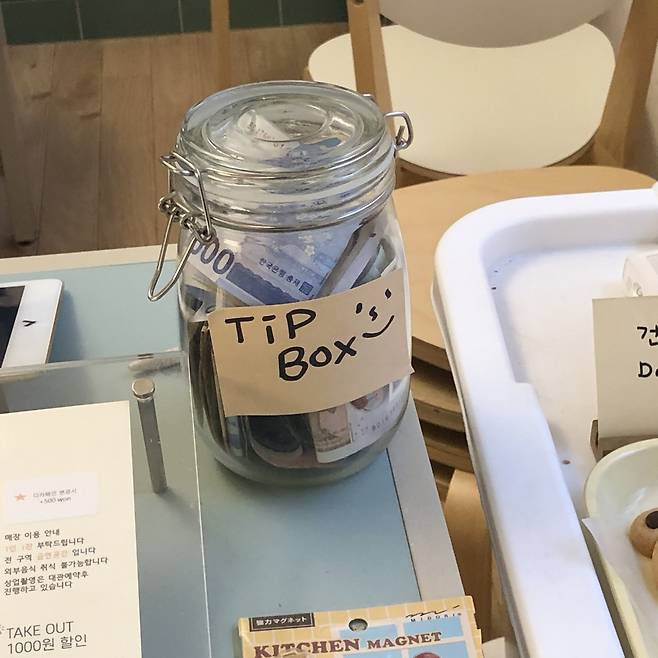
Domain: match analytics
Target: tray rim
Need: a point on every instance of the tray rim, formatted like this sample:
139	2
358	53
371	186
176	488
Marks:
460	294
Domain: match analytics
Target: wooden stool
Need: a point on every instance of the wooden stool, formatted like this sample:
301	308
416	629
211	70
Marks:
427	211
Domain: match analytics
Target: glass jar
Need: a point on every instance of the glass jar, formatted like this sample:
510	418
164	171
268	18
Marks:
283	193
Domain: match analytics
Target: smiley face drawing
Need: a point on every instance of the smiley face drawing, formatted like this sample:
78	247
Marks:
372	313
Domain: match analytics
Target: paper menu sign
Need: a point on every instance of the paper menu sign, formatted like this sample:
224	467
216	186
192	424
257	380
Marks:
67	533
311	355
51	497
626	352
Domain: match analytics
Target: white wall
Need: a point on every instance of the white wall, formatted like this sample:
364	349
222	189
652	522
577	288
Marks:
644	155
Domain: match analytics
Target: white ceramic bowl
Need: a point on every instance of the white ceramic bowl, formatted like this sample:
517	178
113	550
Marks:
621	486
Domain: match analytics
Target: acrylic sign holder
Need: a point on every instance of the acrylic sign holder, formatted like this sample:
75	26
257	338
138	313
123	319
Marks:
173	603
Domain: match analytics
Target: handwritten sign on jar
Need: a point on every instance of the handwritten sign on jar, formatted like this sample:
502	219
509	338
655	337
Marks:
311	355
626	348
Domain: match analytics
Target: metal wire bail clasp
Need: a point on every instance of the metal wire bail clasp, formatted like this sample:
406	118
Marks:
200	224
400	141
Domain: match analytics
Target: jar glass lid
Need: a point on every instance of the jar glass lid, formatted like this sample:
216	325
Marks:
292	128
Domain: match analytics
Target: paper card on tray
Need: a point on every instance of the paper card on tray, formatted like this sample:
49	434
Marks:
67	533
308	356
626	351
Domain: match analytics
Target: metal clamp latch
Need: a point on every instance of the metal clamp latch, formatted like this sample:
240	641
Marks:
401	142
199	224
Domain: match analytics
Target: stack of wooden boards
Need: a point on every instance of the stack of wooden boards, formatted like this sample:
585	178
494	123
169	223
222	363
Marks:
434	393
423	223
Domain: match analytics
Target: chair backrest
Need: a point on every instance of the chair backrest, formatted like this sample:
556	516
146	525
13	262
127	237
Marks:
458	21
492	22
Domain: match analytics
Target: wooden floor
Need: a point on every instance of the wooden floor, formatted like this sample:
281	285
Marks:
98	114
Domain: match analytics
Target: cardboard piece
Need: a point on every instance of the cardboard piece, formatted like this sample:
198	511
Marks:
67	534
626	352
435	396
446	447
601	446
424	629
309	356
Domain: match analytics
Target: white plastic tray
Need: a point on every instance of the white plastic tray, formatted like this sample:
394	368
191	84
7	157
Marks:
513	288
621	486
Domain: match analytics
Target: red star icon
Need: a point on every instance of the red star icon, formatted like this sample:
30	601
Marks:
20	497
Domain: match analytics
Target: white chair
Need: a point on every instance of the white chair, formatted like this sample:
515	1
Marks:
510	84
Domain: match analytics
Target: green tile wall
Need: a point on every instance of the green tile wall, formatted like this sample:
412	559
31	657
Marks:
35	21
312	11
30	21
196	15
111	18
255	13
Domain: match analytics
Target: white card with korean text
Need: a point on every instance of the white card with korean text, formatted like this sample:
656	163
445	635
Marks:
67	533
626	351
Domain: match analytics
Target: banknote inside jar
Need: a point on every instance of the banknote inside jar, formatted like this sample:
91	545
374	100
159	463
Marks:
317	440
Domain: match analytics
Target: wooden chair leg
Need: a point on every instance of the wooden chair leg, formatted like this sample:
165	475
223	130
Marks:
21	212
470	539
628	89
368	51
369	59
221	31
